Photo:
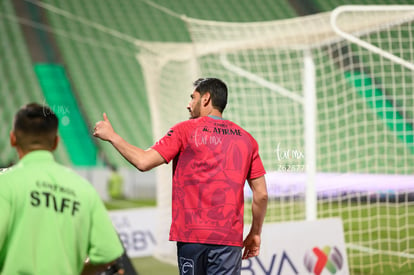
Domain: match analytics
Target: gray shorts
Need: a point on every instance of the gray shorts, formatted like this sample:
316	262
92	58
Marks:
208	259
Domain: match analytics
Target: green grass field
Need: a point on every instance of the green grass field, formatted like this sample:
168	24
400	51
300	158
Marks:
380	233
152	266
125	204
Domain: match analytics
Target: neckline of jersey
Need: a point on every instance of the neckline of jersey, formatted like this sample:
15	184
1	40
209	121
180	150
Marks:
216	117
36	156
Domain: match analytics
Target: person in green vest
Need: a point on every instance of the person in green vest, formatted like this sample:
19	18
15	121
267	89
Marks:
52	220
115	184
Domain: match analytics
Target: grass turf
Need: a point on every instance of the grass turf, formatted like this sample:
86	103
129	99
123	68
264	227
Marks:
152	266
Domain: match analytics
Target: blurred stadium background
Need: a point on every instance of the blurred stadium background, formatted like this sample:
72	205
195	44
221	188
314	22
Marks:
80	58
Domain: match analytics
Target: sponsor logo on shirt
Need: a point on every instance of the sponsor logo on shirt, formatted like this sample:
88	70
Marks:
213	135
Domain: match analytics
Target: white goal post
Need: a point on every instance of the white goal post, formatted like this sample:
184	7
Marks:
329	98
399	10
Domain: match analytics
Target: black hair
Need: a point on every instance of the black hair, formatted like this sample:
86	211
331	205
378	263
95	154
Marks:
217	89
35	125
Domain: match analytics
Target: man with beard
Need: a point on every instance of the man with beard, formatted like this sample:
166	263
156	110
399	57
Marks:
212	159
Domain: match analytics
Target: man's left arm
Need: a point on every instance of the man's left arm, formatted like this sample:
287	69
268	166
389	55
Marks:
252	242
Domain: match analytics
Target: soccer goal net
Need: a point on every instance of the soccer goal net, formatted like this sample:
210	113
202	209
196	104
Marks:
330	100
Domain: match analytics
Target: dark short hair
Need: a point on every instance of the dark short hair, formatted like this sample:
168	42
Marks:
35	125
217	89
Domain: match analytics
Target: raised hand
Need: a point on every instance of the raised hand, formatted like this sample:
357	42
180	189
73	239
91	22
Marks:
103	129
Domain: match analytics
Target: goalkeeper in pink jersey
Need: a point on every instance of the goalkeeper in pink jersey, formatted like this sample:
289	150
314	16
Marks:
212	159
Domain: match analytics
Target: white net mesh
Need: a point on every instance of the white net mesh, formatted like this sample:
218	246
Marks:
364	118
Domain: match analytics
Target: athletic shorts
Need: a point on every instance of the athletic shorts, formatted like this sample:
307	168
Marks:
208	259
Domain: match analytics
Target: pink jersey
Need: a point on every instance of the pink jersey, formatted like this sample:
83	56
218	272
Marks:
212	160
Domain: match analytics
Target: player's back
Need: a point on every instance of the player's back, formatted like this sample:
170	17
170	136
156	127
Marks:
215	158
49	209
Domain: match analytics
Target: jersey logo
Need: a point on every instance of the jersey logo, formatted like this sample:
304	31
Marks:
225	131
187	266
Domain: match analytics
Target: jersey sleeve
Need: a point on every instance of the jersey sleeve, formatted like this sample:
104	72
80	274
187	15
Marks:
105	245
170	144
256	167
